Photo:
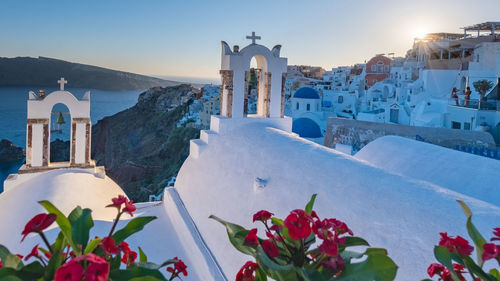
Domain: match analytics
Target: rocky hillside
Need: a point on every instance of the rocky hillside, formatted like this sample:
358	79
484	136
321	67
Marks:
41	71
10	153
142	147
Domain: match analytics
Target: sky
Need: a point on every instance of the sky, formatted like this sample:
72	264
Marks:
182	37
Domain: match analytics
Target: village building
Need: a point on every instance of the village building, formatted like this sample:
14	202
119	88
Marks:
250	162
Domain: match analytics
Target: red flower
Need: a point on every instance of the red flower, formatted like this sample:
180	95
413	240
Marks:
270	249
246	272
496	233
334	264
97	270
129	257
262	216
329	247
435	268
251	237
34	253
38	223
179	267
109	246
47	255
1	264
491	251
298	224
129	207
455	245
321	228
118	201
340	227
70	271
276	227
19	256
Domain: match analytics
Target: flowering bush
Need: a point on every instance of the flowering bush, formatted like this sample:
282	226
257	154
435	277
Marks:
74	257
288	251
453	255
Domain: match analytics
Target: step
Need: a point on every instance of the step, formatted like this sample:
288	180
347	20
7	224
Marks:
207	135
196	147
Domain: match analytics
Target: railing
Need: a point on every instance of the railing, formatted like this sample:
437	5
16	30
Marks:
475	103
485	152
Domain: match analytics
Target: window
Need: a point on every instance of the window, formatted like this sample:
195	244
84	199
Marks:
394	115
308	107
455	125
375	81
466	126
340	99
374	68
386	68
297	106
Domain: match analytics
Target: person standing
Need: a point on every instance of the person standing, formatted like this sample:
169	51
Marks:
454	95
467	94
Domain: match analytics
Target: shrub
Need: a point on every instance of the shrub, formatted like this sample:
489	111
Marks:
73	256
289	252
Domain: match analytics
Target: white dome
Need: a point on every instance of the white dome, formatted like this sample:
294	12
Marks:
65	188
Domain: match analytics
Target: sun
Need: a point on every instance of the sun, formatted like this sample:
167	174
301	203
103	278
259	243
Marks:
420	33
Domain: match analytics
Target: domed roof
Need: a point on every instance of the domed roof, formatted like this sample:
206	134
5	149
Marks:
306	93
306	128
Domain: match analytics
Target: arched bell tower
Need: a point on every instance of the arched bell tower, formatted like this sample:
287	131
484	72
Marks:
38	130
235	69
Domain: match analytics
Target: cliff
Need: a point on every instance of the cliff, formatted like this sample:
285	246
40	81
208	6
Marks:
10	153
41	71
142	147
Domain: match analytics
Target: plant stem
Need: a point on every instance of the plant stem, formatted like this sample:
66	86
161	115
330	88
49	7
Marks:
115	223
281	237
46	242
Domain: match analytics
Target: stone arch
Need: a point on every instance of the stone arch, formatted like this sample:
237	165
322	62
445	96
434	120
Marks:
38	129
235	66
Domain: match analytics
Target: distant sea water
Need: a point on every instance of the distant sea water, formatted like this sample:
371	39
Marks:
13	108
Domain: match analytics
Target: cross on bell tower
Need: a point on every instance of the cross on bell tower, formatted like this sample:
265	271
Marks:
61	83
253	37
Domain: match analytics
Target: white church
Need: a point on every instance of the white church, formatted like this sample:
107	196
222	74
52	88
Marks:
396	193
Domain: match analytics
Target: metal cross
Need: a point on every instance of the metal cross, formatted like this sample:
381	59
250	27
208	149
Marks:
62	82
253	37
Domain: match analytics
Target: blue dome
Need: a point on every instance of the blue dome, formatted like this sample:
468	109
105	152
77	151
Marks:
306	93
306	128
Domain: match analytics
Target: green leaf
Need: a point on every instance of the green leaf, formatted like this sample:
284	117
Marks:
348	255
260	275
142	256
92	245
168	262
478	271
81	223
236	234
444	257
9	260
356	241
494	272
310	204
145	278
135	271
63	223
377	267
60	243
274	270
54	263
132	227
277	221
11	278
474	234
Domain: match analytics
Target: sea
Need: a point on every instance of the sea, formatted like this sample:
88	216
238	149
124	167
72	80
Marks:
13	108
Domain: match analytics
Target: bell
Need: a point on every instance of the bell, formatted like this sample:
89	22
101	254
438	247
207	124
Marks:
60	119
